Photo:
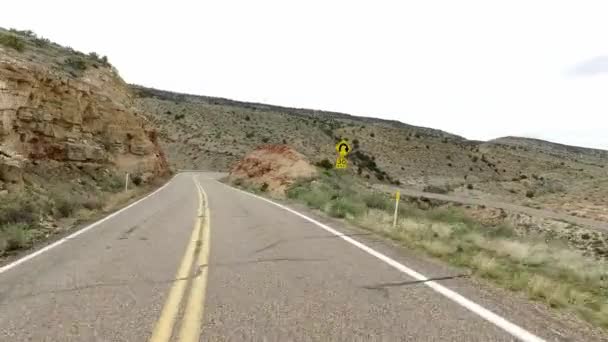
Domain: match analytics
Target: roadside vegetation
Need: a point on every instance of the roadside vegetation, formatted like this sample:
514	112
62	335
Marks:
543	268
31	215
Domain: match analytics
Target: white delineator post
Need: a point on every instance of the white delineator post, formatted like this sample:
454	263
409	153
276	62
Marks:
397	195
127	182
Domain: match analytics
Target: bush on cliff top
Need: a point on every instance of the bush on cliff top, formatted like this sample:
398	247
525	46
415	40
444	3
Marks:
12	41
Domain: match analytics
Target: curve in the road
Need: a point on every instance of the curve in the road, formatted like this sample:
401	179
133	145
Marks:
501	322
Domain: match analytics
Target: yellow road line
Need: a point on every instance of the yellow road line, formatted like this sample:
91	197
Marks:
164	326
193	315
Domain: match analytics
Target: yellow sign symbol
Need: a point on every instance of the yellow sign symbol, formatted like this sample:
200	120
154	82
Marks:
341	163
343	149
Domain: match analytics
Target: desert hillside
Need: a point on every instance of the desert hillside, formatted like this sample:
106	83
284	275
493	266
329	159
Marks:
213	133
69	133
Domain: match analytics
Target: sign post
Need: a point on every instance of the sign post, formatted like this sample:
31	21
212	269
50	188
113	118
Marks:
127	182
397	196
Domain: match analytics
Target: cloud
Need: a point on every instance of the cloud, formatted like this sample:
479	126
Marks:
595	66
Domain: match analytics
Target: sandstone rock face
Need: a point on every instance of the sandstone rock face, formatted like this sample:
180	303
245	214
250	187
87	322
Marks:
49	114
277	166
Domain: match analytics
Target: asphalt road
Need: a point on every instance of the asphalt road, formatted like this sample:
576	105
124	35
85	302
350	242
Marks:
198	260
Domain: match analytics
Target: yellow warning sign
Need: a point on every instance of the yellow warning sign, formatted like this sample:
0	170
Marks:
343	149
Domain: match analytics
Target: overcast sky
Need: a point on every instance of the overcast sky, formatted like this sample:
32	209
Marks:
480	69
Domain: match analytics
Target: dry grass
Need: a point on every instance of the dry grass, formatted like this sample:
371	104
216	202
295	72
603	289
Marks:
14	237
558	276
546	270
28	216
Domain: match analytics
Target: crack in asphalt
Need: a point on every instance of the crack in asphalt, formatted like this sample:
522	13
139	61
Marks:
384	287
412	282
316	237
128	232
274	244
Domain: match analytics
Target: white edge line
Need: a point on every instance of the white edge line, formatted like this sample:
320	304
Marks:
75	234
479	310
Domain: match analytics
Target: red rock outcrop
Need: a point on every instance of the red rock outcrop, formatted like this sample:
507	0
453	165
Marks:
278	166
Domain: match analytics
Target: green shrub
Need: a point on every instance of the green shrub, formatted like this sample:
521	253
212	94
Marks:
530	193
13	237
12	42
76	63
377	201
137	180
316	198
342	207
325	164
112	183
93	203
264	187
296	190
42	42
18	208
66	205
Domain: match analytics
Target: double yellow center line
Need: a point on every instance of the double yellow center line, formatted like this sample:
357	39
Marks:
193	266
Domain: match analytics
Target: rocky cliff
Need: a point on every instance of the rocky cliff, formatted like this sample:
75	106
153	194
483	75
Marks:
60	105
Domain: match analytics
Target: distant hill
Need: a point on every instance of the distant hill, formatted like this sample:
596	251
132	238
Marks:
318	114
213	133
559	150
